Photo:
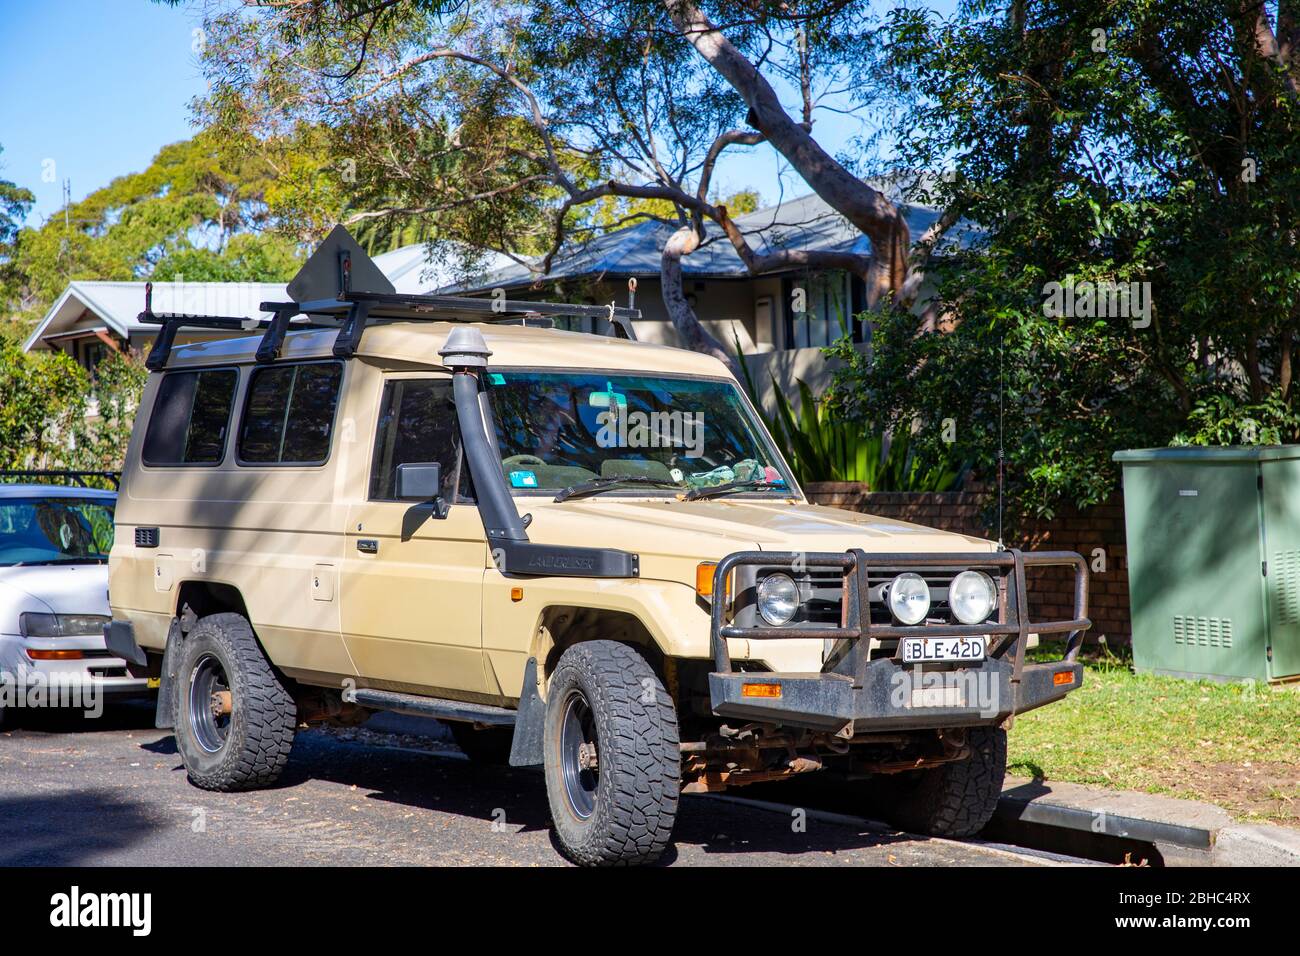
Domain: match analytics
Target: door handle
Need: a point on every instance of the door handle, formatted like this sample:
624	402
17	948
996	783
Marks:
367	545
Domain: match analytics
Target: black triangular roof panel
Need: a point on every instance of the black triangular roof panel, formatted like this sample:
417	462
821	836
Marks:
319	278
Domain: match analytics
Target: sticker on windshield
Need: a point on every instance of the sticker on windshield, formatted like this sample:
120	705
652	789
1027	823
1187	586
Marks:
496	378
523	479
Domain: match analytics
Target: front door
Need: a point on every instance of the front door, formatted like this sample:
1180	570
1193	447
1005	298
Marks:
412	584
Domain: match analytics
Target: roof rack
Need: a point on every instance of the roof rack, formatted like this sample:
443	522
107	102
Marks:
77	478
323	291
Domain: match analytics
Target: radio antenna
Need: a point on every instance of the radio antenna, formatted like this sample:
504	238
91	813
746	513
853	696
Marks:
1002	454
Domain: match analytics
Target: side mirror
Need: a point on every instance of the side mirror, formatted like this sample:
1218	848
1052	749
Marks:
419	481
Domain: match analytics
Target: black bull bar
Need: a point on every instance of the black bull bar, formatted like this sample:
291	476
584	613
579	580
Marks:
858	694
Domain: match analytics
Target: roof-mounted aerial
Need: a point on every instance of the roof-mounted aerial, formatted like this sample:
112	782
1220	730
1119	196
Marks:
340	287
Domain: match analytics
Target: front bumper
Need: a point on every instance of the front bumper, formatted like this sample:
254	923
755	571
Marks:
894	696
856	694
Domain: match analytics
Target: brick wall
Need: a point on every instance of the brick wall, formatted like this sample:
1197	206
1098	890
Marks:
1050	589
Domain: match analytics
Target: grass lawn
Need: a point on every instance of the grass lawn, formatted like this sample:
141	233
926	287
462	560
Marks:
1236	745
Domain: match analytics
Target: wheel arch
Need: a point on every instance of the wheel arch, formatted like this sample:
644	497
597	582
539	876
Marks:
205	598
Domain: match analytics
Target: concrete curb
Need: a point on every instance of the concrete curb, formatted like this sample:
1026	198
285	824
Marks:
1185	832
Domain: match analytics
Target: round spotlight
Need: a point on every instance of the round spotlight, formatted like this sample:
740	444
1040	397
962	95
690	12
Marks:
778	599
909	598
972	596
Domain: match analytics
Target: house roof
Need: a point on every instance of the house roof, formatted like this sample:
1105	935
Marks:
802	223
411	271
115	305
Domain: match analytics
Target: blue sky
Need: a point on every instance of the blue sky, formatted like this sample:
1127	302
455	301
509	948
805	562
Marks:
94	88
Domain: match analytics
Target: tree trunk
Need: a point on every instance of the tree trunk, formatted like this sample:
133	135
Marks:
866	208
694	335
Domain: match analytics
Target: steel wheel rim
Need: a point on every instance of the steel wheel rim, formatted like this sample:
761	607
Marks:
578	728
210	729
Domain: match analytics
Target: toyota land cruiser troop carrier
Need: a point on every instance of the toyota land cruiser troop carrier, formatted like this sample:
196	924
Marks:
580	551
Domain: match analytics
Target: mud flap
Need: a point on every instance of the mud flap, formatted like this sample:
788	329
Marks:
526	747
165	716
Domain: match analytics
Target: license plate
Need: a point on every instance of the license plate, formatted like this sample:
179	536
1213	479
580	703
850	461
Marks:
936	649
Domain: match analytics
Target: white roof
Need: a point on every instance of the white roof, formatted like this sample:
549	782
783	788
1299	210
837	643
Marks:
412	272
115	305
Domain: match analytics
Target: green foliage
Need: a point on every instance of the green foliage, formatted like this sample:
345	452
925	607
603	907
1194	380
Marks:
15	203
1092	142
825	447
200	210
247	257
42	398
822	445
1222	420
99	442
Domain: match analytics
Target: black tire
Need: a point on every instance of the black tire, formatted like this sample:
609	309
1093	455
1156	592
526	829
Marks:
248	748
622	812
953	799
490	746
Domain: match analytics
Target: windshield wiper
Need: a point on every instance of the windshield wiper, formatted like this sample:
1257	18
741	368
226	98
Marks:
709	491
597	485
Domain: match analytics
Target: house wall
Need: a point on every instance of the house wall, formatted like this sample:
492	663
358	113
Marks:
749	309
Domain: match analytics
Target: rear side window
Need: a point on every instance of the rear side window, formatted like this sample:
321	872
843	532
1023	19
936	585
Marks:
190	418
417	423
289	414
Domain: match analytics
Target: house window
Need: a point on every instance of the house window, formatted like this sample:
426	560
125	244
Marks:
93	351
828	310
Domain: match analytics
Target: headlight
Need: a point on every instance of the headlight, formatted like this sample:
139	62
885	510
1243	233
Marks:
972	596
909	598
778	599
35	624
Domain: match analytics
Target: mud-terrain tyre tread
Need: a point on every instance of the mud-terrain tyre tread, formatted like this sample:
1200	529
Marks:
640	780
490	747
264	716
956	799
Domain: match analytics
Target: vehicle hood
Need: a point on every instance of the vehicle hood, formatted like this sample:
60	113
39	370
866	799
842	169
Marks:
709	530
62	589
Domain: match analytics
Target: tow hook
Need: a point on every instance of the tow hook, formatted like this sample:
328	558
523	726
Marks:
587	756
221	704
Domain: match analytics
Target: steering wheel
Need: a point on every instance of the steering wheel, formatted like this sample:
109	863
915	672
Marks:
522	460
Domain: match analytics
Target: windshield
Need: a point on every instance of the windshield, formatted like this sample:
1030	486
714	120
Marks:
55	530
560	429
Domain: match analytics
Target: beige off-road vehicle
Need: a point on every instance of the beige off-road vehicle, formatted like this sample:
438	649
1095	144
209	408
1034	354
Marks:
580	551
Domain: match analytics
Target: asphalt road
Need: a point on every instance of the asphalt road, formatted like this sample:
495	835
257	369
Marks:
112	791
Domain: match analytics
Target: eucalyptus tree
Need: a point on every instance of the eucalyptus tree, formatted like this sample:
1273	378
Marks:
527	126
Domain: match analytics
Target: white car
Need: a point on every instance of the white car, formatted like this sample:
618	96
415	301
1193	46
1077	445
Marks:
54	544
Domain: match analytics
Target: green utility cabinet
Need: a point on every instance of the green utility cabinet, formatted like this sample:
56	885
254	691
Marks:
1214	560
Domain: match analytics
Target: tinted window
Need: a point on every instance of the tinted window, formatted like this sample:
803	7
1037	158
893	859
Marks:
190	418
417	423
289	413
